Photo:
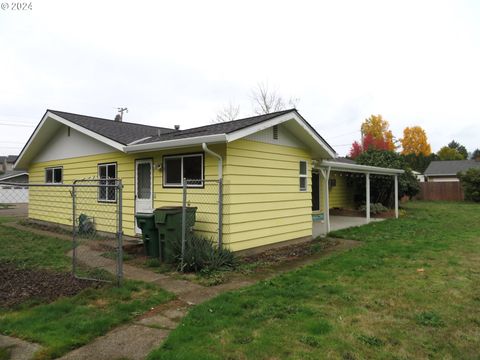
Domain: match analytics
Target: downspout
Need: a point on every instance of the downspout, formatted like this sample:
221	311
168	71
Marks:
220	160
220	193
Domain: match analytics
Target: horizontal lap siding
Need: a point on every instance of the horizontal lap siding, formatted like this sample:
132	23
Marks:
56	205
262	202
341	195
45	202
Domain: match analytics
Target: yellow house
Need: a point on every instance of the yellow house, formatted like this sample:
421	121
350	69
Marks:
267	163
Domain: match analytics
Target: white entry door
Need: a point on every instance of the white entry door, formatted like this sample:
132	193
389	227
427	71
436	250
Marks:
143	188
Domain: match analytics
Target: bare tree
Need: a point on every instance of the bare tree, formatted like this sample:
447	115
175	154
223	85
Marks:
228	113
266	101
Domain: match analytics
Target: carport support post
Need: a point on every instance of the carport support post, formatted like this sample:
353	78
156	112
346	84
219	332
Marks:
326	201
396	196
367	196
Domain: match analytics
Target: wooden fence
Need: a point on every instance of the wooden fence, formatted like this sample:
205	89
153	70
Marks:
451	190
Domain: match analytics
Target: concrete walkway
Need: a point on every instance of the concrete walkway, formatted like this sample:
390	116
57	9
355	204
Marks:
19	349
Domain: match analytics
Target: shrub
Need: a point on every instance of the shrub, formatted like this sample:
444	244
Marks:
203	255
471	184
381	187
375	208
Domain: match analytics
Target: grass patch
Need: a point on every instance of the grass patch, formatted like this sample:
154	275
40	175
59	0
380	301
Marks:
71	322
68	322
27	249
5	352
411	291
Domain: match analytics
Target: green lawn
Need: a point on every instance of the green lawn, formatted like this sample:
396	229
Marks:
68	322
412	291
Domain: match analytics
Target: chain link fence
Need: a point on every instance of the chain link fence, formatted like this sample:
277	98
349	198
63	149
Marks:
207	197
87	213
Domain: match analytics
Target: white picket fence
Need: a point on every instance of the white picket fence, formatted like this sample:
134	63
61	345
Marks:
10	195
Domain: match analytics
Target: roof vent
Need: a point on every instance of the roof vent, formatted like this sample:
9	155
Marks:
275	132
177	127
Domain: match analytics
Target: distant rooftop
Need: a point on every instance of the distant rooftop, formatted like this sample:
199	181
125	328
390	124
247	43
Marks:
450	167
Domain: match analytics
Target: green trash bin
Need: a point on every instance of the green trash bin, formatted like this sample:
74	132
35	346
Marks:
146	223
168	220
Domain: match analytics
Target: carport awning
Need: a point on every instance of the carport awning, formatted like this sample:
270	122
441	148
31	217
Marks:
364	169
328	165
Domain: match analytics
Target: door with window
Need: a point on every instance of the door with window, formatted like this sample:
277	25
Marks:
143	187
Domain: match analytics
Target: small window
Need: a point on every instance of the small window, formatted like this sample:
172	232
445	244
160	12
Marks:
303	175
107	191
176	168
332	183
54	175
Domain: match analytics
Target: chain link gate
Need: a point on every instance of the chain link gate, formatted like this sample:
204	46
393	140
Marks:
97	236
87	212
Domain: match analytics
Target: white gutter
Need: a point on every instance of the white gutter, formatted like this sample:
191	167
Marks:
360	168
170	144
220	160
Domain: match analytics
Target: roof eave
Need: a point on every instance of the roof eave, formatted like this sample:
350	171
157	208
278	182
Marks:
49	114
177	143
235	135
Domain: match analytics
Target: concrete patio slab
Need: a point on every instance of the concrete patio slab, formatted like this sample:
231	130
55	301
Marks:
340	222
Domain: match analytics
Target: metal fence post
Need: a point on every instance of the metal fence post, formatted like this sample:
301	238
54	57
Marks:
184	222
220	213
119	191
74	231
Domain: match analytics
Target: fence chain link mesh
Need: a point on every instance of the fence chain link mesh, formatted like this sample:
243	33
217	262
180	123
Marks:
86	213
207	197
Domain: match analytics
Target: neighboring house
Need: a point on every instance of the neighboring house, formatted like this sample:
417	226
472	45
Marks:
420	177
447	170
11	193
7	162
274	170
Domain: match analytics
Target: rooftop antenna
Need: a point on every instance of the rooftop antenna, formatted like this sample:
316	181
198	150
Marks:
119	116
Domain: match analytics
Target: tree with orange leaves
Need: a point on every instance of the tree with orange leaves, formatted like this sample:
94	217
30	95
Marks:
378	128
415	141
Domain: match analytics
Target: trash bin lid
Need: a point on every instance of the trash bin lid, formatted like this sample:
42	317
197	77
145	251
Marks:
143	215
160	217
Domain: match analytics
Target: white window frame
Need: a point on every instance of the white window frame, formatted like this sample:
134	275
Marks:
304	176
176	185
106	165
53	168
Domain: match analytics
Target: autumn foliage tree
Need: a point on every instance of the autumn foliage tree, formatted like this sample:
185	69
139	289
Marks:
415	141
375	136
378	128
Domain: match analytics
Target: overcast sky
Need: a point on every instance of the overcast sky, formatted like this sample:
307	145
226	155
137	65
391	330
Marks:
179	62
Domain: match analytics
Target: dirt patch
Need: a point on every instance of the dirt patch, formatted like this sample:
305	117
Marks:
291	252
20	285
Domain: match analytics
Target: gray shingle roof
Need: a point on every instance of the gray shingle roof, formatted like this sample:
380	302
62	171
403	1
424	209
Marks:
218	128
121	132
126	133
11	174
11	158
344	160
450	167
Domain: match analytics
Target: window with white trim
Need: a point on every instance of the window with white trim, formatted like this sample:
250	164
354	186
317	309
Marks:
54	175
303	175
106	190
179	167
